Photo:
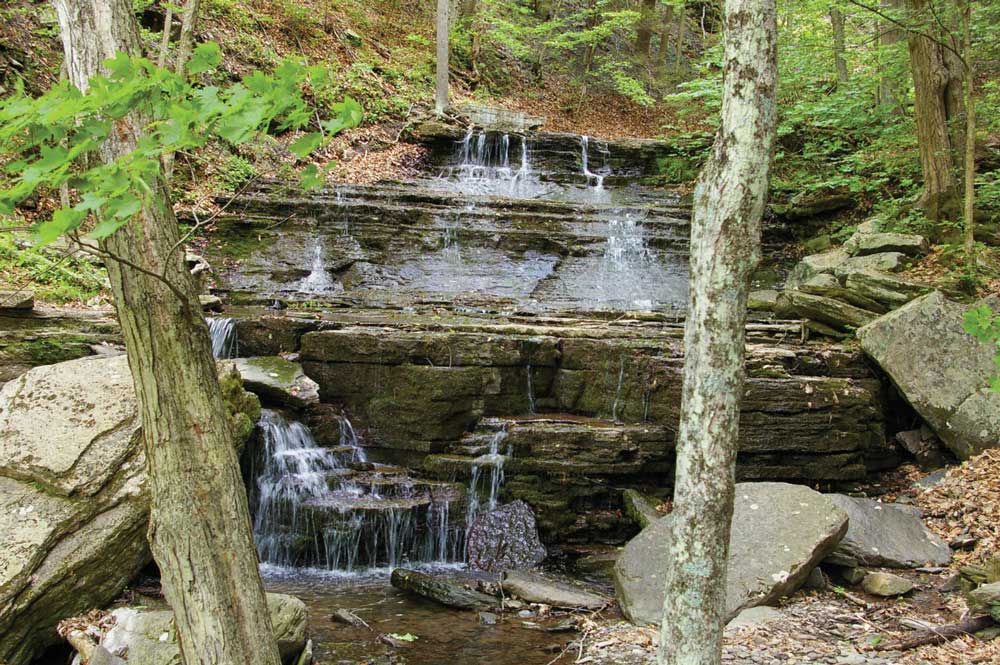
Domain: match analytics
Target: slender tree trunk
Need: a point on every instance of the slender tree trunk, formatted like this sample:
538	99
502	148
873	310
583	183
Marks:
970	137
681	33
168	20
185	45
199	526
666	33
644	33
935	107
888	35
839	47
725	249
441	91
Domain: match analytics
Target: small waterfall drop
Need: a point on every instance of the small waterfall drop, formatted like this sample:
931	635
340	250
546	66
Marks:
627	265
595	180
484	166
318	280
222	332
531	391
492	461
329	508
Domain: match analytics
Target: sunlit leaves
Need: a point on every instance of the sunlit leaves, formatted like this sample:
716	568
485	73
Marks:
205	58
985	327
49	138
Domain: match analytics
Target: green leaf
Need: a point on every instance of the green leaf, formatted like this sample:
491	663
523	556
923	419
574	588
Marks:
205	58
311	178
306	144
63	221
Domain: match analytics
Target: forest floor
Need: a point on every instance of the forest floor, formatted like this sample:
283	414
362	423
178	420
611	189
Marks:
840	627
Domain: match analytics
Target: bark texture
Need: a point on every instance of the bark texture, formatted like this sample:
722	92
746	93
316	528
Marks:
839	48
725	248
441	89
937	106
199	527
644	32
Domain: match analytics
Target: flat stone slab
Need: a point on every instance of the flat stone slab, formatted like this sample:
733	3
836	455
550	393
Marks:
537	588
882	534
277	379
780	533
941	370
754	616
862	244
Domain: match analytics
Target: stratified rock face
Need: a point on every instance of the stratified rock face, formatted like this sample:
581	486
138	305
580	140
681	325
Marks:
941	370
882	534
780	533
149	637
73	508
505	539
73	500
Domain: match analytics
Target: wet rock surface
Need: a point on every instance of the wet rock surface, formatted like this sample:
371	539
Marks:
504	539
780	533
278	380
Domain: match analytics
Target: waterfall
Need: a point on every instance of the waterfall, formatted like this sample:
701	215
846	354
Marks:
329	508
596	178
531	391
627	270
222	332
318	280
484	166
493	461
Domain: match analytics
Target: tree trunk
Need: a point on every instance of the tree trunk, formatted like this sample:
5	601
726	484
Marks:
644	32
970	137
839	48
199	525
441	90
936	109
185	44
725	248
665	34
889	85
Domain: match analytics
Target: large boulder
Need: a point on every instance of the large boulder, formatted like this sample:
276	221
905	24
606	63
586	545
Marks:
780	533
888	290
505	539
73	499
883	534
815	264
537	588
832	312
942	371
149	637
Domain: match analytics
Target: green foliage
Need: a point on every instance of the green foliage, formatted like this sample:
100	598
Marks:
51	136
236	172
54	276
982	324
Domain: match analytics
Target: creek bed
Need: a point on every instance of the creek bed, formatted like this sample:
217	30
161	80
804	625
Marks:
443	635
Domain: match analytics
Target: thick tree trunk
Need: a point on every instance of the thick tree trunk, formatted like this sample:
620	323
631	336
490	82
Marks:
441	90
725	248
936	105
199	526
839	47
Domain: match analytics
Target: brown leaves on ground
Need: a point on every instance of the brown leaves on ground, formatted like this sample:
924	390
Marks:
967	502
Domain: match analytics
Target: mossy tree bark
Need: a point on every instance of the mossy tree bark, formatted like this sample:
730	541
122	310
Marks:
725	249
937	106
199	526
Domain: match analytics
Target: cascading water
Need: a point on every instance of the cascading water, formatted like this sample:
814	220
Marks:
318	280
493	461
484	167
329	508
628	268
222	332
595	180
